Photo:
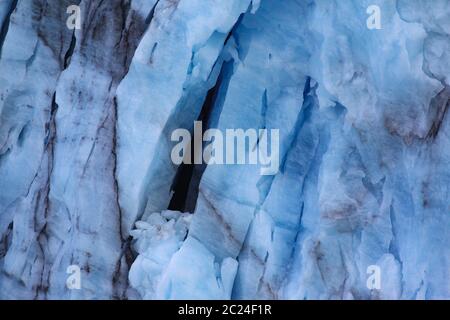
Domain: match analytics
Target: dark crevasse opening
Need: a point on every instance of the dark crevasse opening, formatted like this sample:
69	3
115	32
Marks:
185	186
5	27
187	179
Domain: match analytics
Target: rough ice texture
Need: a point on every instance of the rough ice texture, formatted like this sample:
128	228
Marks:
86	177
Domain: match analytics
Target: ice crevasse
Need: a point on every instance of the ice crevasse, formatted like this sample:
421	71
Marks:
86	178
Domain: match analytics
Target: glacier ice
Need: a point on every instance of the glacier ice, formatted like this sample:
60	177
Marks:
86	177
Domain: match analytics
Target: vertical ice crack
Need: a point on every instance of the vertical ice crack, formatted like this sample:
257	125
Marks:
393	245
69	52
126	251
187	179
41	222
5	241
5	26
150	16
439	107
186	183
133	27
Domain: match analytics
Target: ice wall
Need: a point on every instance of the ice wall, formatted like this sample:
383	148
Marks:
86	177
363	180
